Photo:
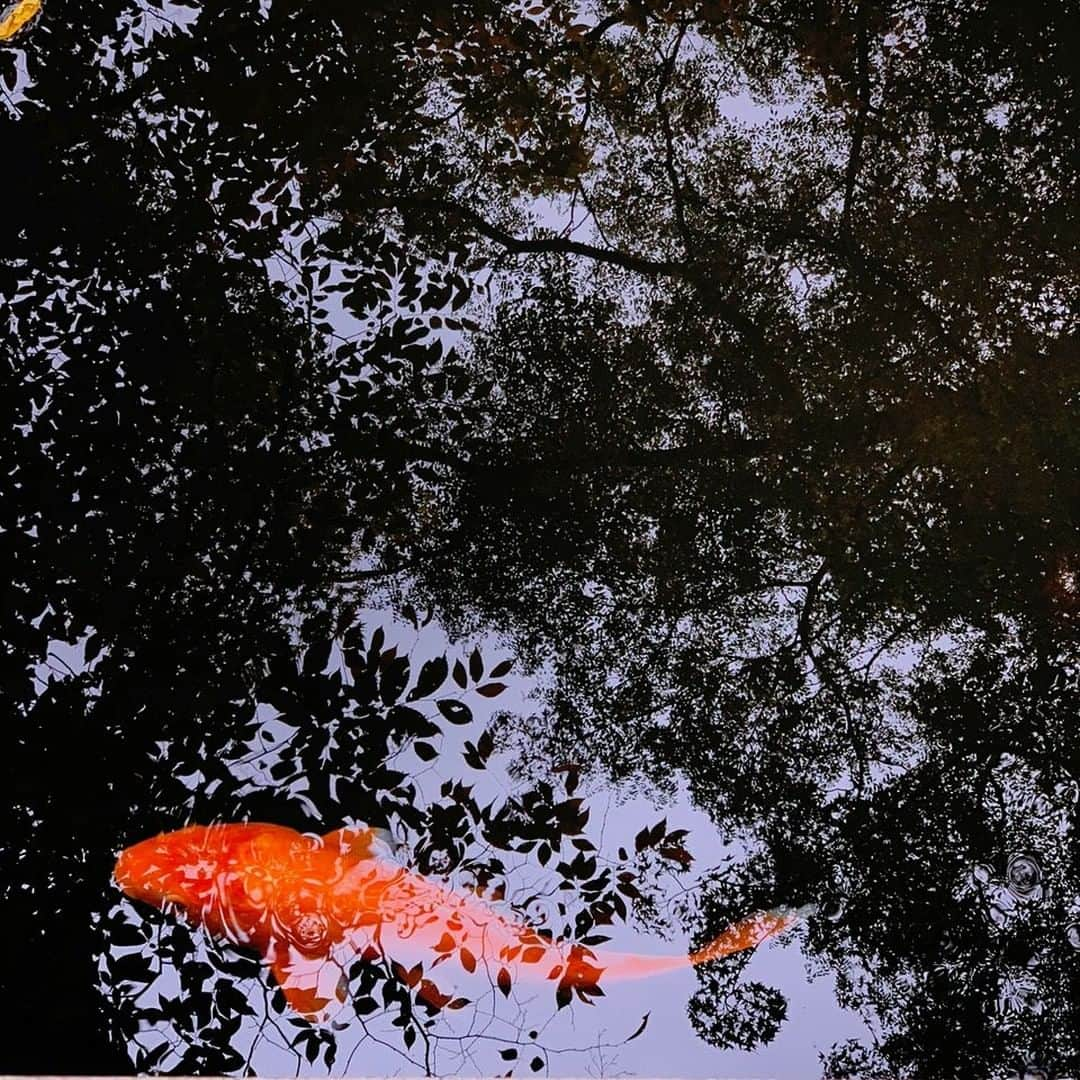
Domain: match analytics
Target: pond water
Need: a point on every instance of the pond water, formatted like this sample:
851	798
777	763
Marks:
542	539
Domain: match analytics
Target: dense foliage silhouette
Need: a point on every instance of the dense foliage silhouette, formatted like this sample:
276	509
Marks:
719	355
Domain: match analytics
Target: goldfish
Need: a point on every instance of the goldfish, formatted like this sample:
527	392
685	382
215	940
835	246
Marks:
309	904
16	16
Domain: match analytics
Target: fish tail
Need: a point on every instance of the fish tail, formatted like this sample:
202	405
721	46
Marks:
747	933
628	966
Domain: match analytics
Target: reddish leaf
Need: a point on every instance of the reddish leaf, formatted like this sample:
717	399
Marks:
674	853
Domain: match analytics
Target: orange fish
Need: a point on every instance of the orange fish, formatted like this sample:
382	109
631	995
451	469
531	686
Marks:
308	904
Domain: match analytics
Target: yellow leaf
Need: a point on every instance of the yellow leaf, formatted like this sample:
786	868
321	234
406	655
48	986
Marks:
16	16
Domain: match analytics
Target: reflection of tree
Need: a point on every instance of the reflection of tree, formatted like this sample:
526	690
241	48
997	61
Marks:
790	406
730	514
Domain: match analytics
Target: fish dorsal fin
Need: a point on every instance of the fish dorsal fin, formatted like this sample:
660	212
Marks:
358	841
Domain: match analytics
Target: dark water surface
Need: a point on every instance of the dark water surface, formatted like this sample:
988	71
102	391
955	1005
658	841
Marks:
629	452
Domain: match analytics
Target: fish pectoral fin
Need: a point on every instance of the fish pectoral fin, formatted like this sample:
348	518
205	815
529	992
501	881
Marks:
315	989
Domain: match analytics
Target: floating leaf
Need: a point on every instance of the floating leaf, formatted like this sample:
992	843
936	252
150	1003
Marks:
17	16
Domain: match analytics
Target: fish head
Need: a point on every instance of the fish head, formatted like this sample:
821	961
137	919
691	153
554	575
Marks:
180	867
